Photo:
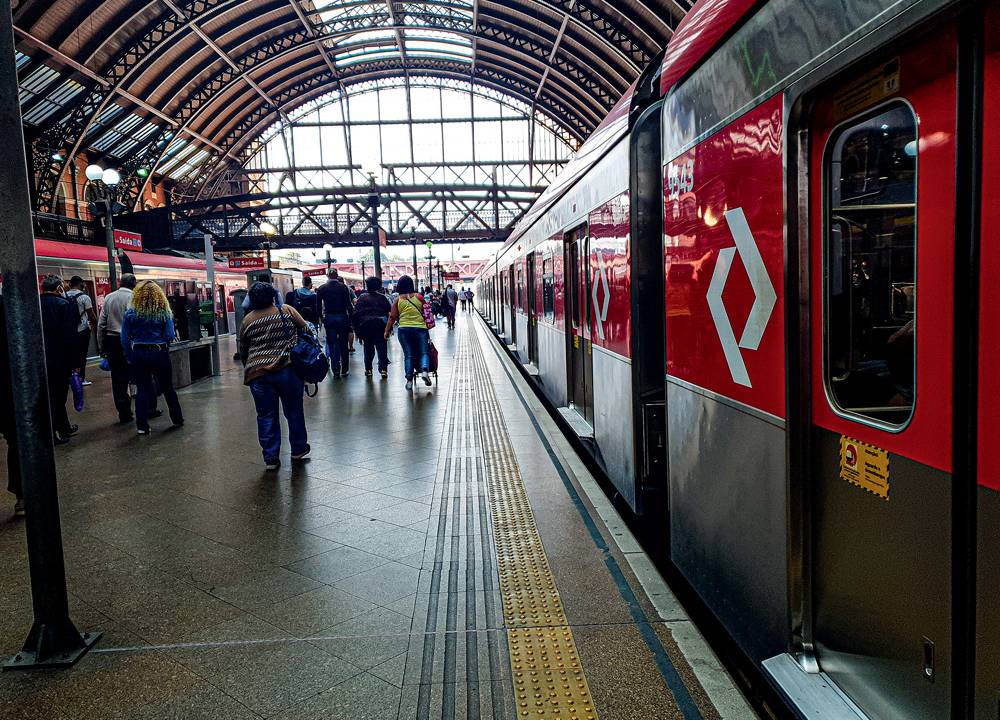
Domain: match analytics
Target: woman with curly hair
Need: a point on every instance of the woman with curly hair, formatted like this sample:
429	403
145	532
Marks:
147	331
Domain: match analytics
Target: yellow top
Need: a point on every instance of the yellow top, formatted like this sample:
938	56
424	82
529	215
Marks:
411	312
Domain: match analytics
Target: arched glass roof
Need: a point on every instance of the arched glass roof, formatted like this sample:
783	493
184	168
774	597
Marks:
184	88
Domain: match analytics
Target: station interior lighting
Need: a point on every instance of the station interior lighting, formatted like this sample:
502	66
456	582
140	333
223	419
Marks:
109	176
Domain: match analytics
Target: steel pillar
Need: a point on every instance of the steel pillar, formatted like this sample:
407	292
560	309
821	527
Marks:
53	640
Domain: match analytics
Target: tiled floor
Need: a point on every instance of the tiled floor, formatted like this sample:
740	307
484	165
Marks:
359	584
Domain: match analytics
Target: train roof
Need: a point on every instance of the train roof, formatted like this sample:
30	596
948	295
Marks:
700	31
98	253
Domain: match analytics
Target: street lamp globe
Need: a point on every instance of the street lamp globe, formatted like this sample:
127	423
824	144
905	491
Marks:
328	248
110	177
268	229
94	172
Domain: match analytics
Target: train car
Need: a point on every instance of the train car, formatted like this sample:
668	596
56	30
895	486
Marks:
183	279
824	472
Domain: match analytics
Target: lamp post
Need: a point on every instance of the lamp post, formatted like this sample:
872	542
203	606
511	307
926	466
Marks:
328	248
430	267
373	202
103	187
413	241
269	232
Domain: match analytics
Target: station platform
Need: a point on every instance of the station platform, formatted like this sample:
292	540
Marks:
442	554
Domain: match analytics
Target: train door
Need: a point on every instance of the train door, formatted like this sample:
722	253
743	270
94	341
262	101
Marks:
881	247
532	302
581	363
512	288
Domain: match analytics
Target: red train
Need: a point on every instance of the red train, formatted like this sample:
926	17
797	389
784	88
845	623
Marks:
759	296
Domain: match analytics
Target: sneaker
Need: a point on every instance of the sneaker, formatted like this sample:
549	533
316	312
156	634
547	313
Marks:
59	439
87	383
384	374
126	420
369	373
302	455
177	423
155	414
73	430
272	464
140	431
426	378
345	373
19	508
409	384
336	376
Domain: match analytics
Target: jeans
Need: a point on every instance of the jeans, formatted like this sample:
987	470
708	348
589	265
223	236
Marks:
337	330
416	350
376	342
267	390
58	377
82	350
147	364
119	376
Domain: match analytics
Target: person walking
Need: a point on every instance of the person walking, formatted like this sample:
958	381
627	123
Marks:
449	301
414	337
109	329
146	333
87	322
468	296
336	307
371	313
59	323
266	339
305	300
268	280
464	298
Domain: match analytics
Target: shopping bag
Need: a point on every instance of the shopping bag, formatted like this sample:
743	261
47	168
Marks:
433	352
76	385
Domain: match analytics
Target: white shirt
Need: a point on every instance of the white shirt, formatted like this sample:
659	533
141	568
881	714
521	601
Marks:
113	311
83	304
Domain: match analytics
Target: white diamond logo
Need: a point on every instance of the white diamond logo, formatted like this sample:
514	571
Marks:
763	303
601	309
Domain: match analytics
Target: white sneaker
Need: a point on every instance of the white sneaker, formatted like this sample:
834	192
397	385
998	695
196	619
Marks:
409	384
87	383
426	378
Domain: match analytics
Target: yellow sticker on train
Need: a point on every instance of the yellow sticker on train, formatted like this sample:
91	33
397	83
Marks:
864	465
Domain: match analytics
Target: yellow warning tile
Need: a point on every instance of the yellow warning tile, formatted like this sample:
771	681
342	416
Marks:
549	682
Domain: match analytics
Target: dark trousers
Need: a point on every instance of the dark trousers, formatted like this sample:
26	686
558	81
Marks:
58	376
268	391
376	342
120	377
146	365
7	428
82	351
337	330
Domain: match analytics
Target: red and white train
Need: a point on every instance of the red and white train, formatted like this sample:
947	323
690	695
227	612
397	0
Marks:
760	295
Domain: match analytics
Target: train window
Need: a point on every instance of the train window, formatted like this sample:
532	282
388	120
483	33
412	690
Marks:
520	288
548	290
870	266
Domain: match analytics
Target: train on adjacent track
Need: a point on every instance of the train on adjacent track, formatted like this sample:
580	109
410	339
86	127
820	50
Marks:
759	296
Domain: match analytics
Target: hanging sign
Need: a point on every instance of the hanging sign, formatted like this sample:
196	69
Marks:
864	465
314	273
125	240
246	263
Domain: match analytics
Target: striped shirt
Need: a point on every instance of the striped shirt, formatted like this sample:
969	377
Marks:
266	338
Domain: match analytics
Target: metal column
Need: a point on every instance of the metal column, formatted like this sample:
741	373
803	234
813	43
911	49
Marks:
210	269
53	640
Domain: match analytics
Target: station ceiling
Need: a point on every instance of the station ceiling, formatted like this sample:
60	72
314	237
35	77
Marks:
128	78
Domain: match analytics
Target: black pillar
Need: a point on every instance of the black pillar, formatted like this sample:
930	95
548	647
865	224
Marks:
53	640
376	240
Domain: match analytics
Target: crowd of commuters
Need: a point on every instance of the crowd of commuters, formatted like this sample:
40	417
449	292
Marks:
135	328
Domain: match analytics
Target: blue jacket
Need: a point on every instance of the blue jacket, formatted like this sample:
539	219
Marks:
136	329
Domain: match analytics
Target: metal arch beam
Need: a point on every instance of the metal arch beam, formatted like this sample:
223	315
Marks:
593	117
312	87
271	52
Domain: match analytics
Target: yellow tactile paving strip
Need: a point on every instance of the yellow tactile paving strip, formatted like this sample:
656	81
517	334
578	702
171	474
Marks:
549	681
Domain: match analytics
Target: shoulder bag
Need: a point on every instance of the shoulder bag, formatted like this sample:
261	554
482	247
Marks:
307	357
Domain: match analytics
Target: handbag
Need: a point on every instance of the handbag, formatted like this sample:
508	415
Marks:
427	311
76	384
433	353
307	357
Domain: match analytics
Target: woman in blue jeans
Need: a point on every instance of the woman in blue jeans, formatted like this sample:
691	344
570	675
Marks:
414	337
147	331
266	338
